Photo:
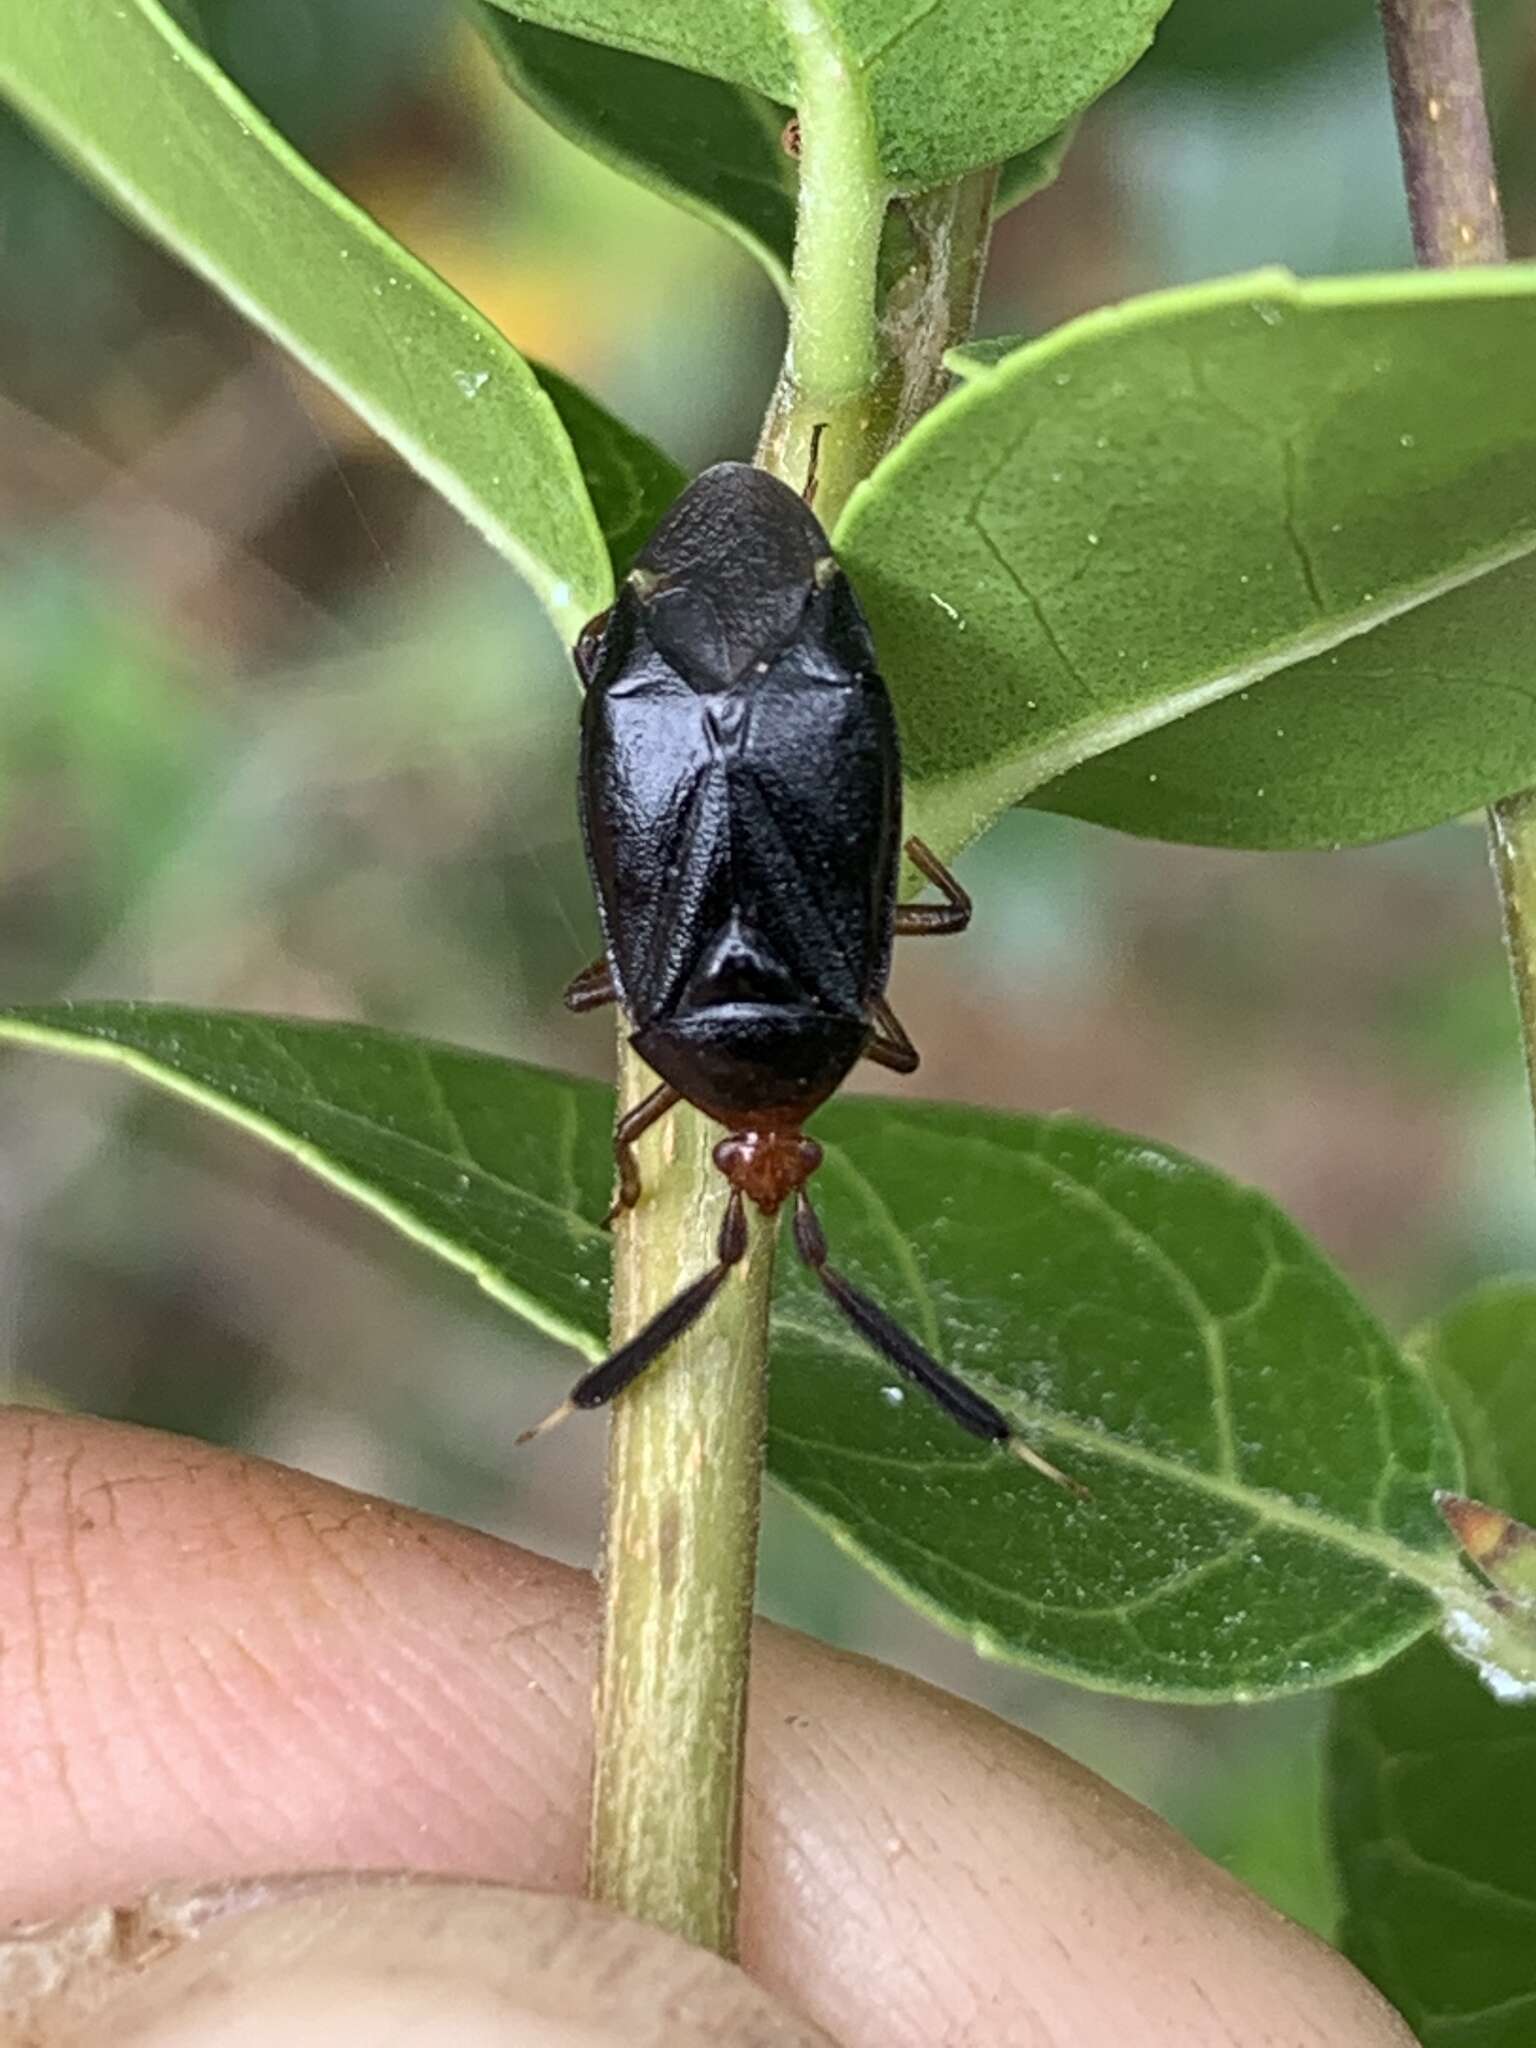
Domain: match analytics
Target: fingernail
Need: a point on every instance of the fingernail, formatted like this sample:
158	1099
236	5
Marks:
375	1962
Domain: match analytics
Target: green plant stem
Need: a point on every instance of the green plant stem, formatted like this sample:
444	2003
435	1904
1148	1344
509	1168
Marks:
680	1552
685	1458
835	363
1453	202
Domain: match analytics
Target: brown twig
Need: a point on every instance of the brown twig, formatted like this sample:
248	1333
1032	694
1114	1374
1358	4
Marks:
1453	202
1442	131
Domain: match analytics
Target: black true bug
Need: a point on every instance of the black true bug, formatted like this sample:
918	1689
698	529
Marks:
741	807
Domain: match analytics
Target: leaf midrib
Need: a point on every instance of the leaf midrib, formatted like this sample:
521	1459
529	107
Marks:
1436	1572
1016	775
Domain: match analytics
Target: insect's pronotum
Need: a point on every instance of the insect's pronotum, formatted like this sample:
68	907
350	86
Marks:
741	807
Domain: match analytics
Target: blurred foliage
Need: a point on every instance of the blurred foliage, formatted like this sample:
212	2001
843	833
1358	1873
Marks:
1237	41
275	732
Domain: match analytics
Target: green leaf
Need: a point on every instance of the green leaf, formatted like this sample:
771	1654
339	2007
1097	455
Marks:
1434	1779
1482	1358
712	147
1022	176
977	357
149	118
1248	41
951	84
630	481
1261	1460
1249	564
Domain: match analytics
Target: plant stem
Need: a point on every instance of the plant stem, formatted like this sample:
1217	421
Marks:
931	304
680	1552
685	1457
1442	131
835	362
1513	827
1453	202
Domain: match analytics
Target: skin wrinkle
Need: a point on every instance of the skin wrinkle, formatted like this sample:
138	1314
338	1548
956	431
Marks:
918	1928
274	1625
411	1721
350	1767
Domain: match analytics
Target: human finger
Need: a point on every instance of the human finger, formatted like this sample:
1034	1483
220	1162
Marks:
215	1667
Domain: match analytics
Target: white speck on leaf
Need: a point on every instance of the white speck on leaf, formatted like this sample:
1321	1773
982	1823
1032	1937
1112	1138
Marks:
470	382
895	1395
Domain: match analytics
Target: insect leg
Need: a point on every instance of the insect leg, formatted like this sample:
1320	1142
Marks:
632	1125
617	1371
962	1404
953	915
593	987
813	460
588	640
890	1046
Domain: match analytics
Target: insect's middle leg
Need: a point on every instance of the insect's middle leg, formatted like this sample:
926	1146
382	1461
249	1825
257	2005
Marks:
890	1046
952	915
631	1126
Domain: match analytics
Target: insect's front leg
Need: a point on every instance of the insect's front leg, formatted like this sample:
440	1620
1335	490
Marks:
593	987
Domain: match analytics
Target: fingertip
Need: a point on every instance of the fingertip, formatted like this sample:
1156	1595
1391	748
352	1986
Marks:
374	1961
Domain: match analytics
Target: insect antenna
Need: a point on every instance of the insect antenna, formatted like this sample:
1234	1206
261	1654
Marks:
962	1404
604	1381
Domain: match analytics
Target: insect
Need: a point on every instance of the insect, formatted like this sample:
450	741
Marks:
741	807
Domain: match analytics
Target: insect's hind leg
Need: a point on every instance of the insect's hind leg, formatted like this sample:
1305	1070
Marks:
953	915
962	1404
631	1126
599	1386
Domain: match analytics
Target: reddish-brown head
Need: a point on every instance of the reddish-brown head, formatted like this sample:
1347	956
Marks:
766	1165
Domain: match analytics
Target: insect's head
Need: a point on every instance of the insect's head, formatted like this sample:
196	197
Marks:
767	1166
724	581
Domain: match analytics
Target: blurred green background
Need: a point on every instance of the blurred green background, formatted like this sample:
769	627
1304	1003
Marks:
277	732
